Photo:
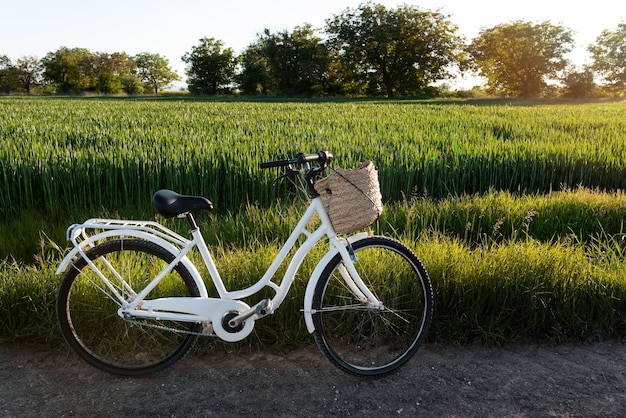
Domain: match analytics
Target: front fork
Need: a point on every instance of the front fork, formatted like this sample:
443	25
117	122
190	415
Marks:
353	279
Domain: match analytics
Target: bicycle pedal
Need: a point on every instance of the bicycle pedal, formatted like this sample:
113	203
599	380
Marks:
263	308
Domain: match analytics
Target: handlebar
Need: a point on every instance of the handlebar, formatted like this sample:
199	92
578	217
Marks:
323	157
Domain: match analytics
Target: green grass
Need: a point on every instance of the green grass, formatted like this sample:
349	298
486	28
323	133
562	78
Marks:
27	298
496	293
580	214
514	291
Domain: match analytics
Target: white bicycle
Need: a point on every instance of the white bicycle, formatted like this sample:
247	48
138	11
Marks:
132	302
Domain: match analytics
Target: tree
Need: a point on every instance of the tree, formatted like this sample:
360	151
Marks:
112	72
394	52
609	58
78	70
516	58
70	70
293	63
254	77
154	71
579	84
108	83
210	66
9	80
29	72
131	84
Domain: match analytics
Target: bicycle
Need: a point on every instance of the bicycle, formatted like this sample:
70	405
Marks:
132	302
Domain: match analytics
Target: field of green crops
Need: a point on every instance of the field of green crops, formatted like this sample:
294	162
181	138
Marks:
61	153
516	208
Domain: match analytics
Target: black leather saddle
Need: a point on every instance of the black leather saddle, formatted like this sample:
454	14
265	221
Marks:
170	204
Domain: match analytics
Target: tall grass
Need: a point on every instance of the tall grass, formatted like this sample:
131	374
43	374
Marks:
580	214
565	290
514	291
27	299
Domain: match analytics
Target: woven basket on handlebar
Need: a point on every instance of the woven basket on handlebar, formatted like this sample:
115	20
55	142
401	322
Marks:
351	197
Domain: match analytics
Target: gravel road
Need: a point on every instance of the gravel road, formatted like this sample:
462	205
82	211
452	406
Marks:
522	380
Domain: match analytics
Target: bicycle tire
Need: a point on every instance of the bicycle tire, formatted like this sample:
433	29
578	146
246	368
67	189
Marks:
367	341
87	312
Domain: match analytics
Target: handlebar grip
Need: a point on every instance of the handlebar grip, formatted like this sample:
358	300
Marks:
278	163
307	158
323	156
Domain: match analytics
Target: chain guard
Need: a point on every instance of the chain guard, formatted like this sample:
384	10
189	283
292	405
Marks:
215	313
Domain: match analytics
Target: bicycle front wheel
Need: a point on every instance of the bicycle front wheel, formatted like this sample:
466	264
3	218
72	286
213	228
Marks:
87	310
368	341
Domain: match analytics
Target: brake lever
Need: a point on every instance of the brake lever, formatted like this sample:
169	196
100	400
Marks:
290	172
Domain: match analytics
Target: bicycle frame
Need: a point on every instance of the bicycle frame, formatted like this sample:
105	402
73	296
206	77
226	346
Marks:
205	309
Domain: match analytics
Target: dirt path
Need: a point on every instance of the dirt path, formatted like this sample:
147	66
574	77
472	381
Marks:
520	380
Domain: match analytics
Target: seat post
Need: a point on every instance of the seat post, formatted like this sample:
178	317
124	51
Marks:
191	221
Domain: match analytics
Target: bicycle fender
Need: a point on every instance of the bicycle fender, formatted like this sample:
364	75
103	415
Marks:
315	276
122	233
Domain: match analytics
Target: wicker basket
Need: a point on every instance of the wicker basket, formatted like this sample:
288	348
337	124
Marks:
351	197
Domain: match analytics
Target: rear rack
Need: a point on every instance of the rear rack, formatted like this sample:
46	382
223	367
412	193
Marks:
79	232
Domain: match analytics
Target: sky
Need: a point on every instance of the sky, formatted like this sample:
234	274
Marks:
172	28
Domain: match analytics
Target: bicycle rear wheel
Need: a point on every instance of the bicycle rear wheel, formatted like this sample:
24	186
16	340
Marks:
367	341
87	309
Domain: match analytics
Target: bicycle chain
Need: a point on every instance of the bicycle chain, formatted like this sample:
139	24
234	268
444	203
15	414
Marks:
179	331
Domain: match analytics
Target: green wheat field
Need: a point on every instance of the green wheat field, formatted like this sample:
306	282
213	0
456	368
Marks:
516	208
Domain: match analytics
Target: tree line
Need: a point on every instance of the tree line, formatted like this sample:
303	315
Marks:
369	50
78	70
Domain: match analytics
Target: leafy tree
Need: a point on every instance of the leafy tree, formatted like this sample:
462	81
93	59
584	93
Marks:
9	80
254	77
108	83
516	58
154	71
29	72
70	70
210	66
78	70
394	52
110	71
293	63
580	84
609	58
131	84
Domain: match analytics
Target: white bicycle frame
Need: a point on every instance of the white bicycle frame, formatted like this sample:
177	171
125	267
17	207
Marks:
208	310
